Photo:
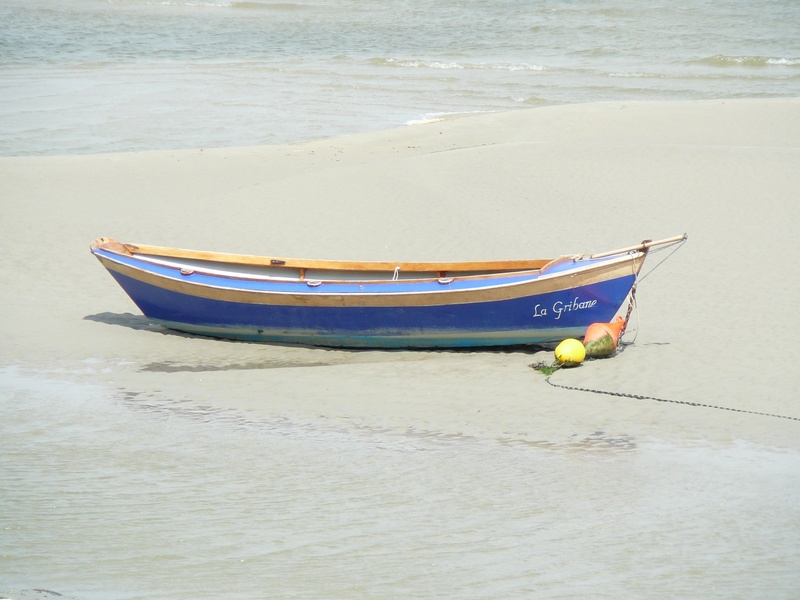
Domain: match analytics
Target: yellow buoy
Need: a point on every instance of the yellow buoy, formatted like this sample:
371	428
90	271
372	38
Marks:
570	353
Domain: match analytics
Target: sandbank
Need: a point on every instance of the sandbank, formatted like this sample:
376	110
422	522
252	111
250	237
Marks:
713	325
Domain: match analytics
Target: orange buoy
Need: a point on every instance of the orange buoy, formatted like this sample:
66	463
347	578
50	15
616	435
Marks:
602	338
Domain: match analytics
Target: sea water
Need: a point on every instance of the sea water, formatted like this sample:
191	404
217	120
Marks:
88	76
116	495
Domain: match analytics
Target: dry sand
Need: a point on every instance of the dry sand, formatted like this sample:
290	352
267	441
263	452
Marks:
715	325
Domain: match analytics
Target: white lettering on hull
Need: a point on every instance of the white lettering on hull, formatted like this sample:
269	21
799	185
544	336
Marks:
560	308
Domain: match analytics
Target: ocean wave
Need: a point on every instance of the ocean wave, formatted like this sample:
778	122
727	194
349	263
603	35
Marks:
242	5
674	76
172	3
721	76
723	60
444	65
440	116
268	5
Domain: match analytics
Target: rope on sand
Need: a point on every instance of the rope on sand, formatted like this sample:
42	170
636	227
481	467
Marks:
641	397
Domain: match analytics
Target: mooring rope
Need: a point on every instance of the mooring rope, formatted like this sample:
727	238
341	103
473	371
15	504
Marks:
637	278
684	402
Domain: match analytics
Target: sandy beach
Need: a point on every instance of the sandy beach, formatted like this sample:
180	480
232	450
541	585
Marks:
714	323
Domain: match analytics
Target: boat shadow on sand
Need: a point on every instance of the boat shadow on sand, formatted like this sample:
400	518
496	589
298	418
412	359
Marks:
131	321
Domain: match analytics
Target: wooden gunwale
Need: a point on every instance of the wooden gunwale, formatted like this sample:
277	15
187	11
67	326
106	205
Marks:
441	268
472	269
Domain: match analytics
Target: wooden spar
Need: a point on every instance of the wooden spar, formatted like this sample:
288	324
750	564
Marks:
643	246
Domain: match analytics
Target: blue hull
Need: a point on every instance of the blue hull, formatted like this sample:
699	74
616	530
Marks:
530	319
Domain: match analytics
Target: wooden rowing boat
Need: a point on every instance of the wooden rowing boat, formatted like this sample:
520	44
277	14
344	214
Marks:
374	304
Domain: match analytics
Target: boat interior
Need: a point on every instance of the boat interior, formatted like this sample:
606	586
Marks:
290	269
